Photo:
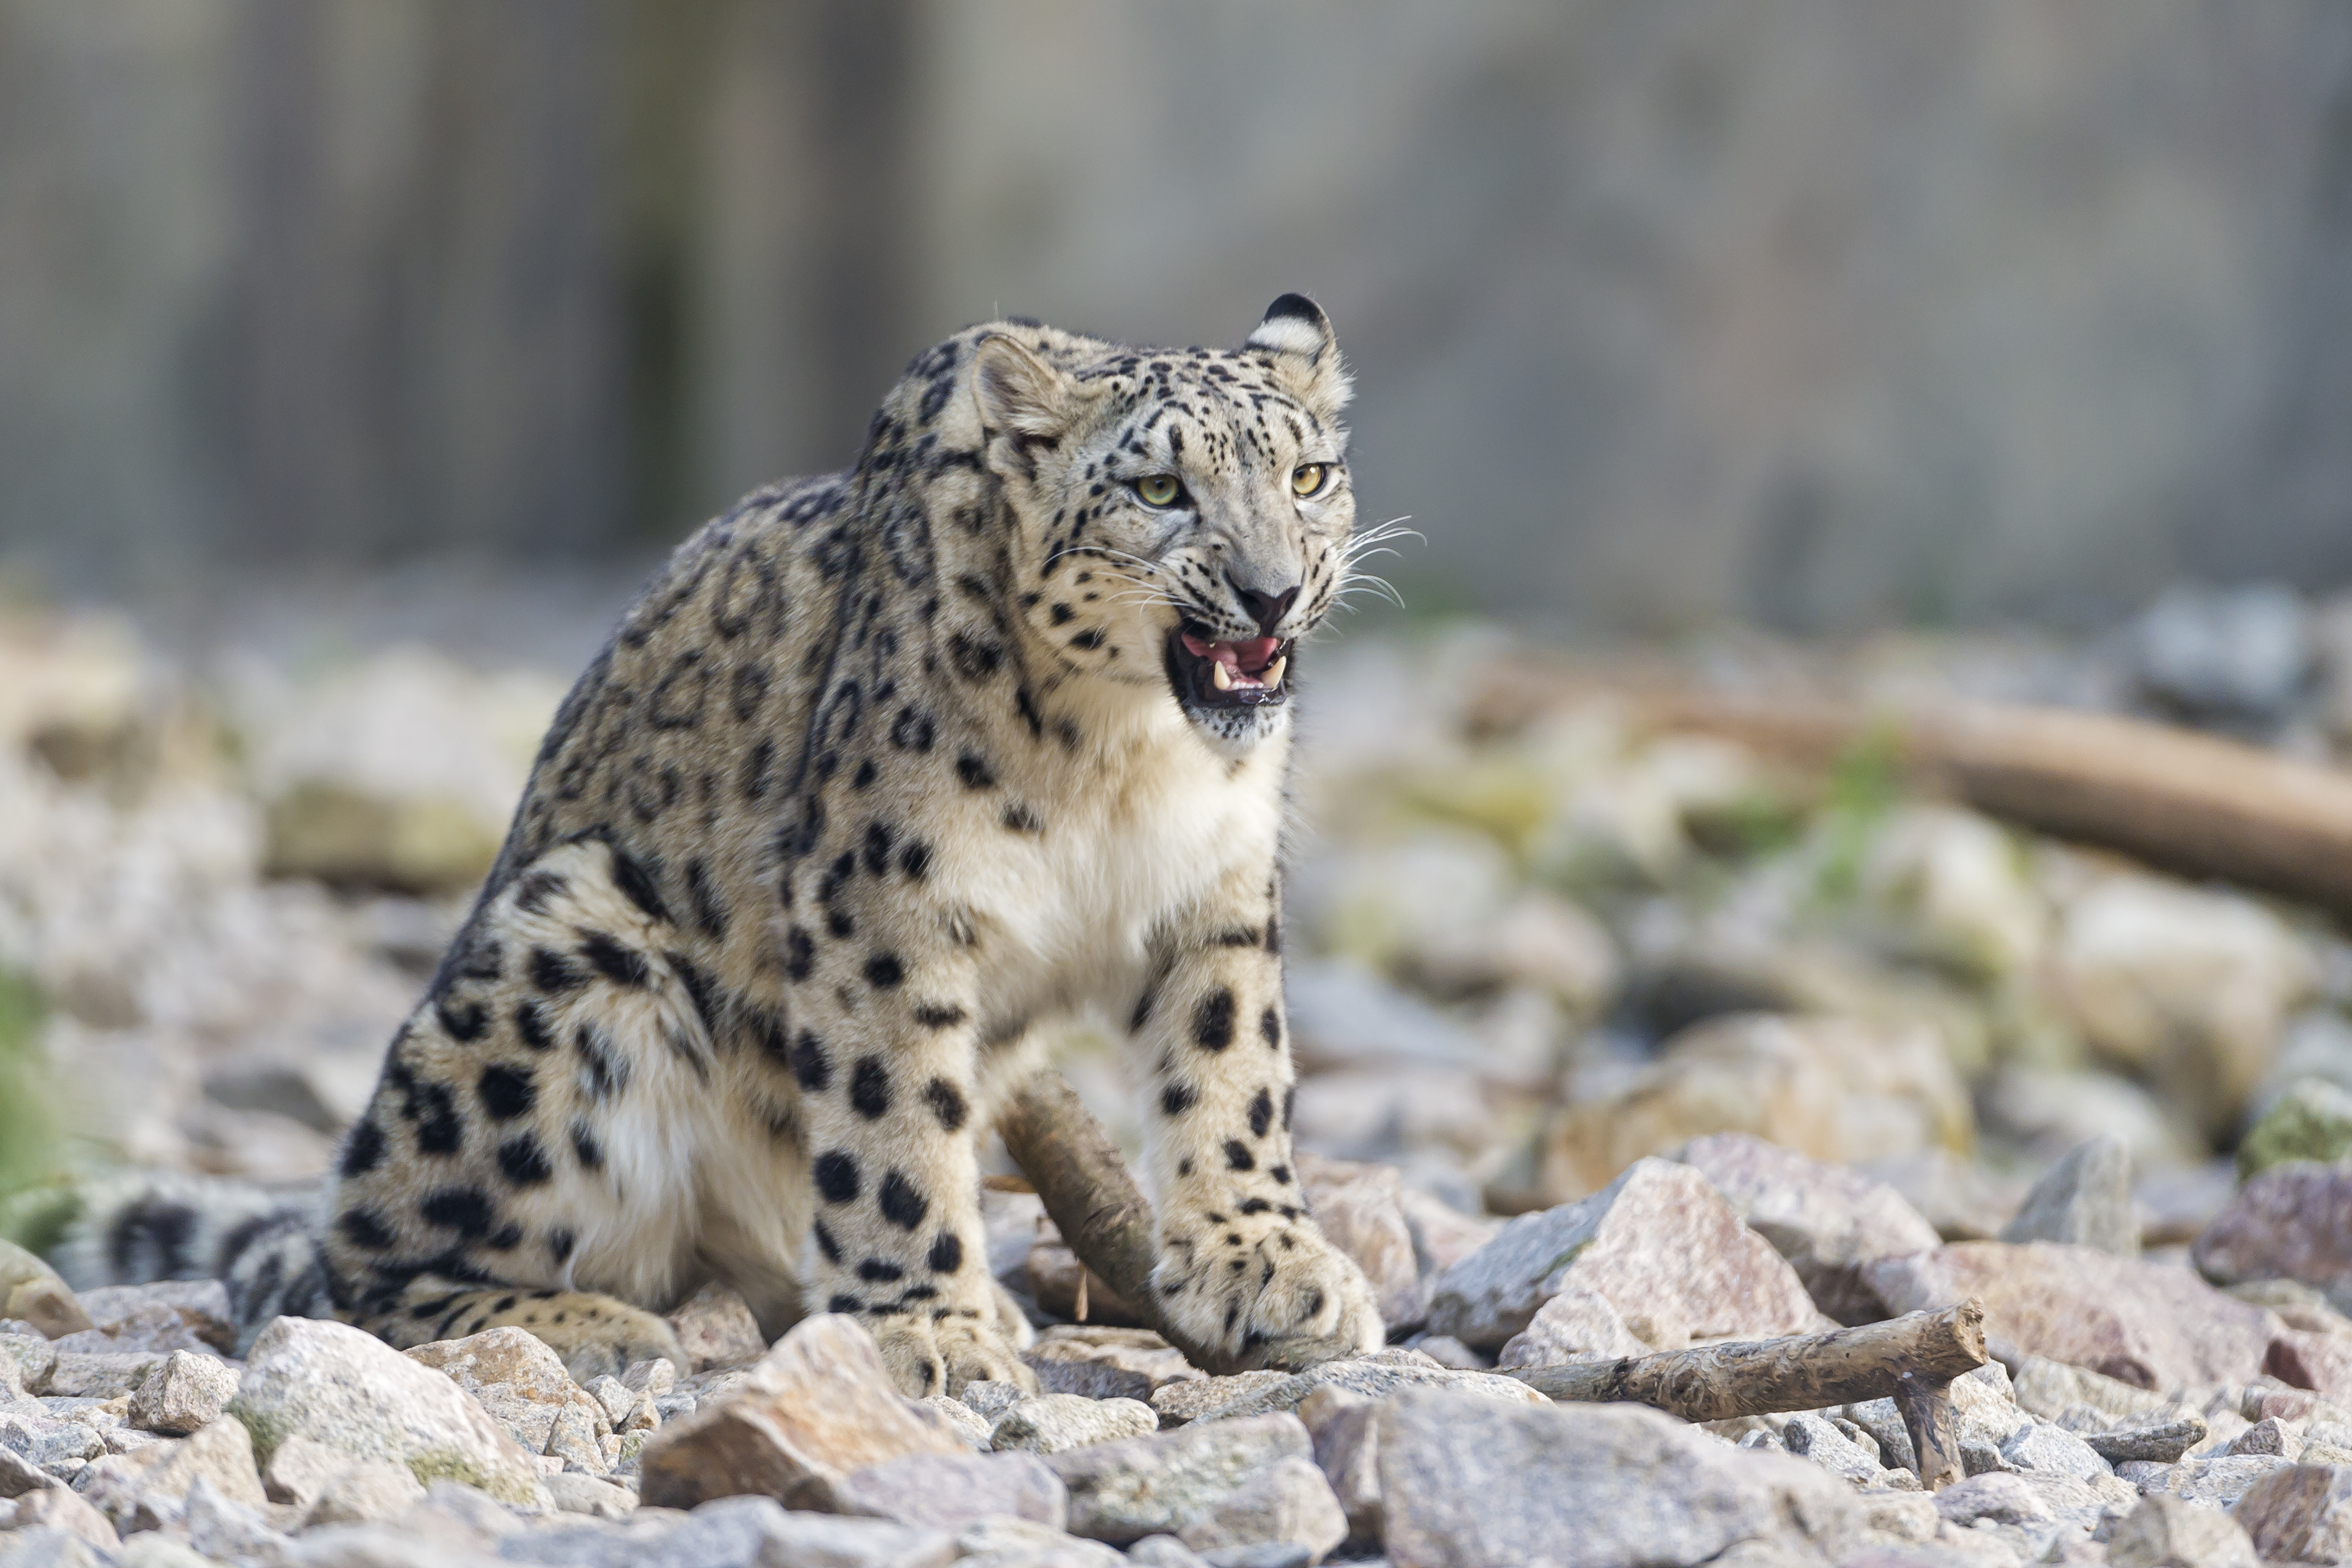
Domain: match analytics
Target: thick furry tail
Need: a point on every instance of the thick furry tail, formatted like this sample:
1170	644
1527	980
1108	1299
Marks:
262	1244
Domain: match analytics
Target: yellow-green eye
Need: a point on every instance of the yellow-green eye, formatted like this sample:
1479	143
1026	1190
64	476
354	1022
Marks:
1159	489
1308	478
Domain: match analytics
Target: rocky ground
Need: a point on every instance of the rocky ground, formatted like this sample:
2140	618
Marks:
1745	1052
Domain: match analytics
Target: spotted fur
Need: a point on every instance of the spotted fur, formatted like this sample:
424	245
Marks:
885	768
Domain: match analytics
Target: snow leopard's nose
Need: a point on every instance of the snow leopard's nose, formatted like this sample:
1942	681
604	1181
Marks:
1268	609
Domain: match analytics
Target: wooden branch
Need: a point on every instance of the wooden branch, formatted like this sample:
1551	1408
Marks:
1910	1359
1077	1171
1925	1403
2173	797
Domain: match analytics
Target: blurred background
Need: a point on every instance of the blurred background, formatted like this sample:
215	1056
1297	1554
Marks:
356	359
1821	313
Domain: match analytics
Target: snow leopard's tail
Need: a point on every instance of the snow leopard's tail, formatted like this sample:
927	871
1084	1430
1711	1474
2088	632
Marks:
261	1243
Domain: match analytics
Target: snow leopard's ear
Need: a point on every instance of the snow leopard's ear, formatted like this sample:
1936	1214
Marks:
1020	394
1297	339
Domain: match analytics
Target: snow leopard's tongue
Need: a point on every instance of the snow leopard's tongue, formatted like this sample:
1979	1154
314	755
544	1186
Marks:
1241	662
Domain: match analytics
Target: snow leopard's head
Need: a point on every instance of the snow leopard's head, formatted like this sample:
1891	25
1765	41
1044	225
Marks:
1184	516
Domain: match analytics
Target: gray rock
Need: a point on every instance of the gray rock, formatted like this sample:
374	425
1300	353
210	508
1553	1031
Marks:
1467	1482
2299	1513
1986	1405
1177	1403
19	1475
587	1494
1018	1543
385	1544
1447	1351
2268	1435
733	1533
1883	1423
2218	1481
1811	1438
144	1490
1051	1423
2163	1532
47	1546
2044	1446
818	1405
524	1385
188	1390
651	1379
1163	1551
1148	1486
1078	1377
60	1448
157	1551
2162	1438
28	1360
1263	1554
2152	1323
58	1508
1375	1376
1659	1243
2085	1199
949	1491
163	1315
363	1489
2046	1388
989	1399
1289	1502
1999	1497
619	1400
336	1386
224	1530
99	1375
301	1467
970	1423
1344	1428
31	1291
1827	1220
2226	652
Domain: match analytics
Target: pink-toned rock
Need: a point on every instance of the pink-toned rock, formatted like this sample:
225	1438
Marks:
164	1315
32	1292
58	1508
1443	1235
2317	1361
1360	1208
717	1328
2299	1513
1836	1088
1659	1244
818	1405
2153	1325
1828	1220
1578	1324
2294	1221
1132	1364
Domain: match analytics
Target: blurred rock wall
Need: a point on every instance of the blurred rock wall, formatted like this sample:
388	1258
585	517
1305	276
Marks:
1819	311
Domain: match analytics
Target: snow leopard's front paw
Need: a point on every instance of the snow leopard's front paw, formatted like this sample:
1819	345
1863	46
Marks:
1264	1290
928	1354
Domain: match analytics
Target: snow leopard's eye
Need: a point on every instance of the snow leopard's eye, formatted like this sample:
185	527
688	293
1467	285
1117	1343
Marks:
1159	490
1308	478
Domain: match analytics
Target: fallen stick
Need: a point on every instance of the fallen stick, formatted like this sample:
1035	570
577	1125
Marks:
2188	802
1077	1171
1911	1359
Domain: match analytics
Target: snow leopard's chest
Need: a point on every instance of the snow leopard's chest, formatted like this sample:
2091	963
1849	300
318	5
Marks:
1129	845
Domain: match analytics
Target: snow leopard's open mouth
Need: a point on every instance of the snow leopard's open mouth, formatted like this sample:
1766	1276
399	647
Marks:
1249	671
